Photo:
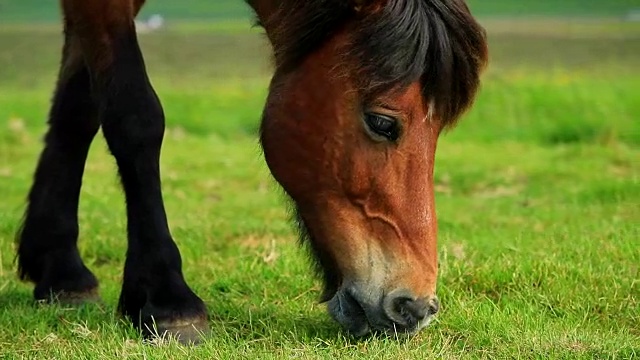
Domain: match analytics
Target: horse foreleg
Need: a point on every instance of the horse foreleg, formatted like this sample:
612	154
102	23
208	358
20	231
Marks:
47	251
154	293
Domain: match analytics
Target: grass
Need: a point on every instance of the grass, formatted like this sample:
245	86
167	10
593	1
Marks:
537	191
551	7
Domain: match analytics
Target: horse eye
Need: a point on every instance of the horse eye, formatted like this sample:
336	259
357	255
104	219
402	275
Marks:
382	125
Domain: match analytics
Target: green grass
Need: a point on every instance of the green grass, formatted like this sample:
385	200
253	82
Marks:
552	7
537	191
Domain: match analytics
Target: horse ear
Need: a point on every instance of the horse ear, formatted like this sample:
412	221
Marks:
265	10
360	5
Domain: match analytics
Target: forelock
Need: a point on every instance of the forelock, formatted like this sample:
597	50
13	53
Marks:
436	42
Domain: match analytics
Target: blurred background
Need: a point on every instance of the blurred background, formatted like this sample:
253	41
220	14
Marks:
560	57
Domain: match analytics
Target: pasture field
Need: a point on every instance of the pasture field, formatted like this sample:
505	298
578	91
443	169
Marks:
538	193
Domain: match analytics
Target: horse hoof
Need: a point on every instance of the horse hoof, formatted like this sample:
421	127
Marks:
73	298
189	331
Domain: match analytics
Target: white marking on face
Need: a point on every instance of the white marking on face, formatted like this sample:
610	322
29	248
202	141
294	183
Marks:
371	275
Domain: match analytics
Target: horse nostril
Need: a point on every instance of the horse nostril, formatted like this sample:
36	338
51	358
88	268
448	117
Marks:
416	308
407	311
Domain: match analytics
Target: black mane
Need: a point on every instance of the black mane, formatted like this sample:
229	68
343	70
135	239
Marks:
435	41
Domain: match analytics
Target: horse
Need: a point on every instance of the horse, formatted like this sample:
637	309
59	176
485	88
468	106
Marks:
360	92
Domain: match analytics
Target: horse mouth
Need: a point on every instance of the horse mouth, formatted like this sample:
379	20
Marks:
348	312
361	318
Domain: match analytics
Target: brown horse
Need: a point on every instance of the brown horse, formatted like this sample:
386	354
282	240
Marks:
360	93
